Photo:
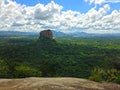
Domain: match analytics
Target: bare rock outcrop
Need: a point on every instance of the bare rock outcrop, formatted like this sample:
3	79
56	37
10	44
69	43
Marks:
55	84
46	34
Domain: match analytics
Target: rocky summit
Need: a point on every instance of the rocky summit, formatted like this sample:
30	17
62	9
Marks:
46	34
55	84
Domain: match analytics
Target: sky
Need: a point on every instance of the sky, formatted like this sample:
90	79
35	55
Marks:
90	16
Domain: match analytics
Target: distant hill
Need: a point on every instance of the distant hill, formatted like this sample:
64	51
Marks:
84	34
16	33
57	34
80	34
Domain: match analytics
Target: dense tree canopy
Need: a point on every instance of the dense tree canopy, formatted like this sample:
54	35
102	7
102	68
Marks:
60	57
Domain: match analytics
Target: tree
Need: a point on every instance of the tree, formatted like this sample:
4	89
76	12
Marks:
3	68
26	71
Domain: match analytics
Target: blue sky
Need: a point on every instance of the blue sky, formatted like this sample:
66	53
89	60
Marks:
76	5
91	16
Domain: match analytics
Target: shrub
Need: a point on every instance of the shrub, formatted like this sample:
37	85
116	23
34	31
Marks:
26	71
109	75
96	74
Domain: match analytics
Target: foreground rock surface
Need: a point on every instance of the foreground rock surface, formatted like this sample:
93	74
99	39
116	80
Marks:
54	84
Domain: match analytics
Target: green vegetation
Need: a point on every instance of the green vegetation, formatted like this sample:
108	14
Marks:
96	58
110	75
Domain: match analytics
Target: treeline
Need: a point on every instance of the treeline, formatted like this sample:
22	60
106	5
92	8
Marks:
52	58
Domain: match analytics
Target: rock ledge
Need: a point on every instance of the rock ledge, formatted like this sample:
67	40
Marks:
55	84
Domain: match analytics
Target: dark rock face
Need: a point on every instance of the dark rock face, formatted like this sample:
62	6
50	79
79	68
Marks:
46	34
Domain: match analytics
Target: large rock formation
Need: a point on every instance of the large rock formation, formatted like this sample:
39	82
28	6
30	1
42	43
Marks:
46	34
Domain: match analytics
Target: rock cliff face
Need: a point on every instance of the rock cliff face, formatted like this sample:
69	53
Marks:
46	34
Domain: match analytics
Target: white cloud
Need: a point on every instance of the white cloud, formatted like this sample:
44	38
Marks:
1	2
112	1
99	2
95	1
48	11
96	15
14	16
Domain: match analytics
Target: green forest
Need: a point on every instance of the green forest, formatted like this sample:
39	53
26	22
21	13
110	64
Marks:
94	58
